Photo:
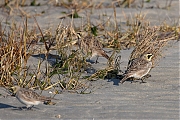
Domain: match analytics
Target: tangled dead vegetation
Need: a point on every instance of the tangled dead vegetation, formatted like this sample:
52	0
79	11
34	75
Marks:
21	43
152	40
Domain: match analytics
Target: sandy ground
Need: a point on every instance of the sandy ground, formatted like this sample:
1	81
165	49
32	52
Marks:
156	99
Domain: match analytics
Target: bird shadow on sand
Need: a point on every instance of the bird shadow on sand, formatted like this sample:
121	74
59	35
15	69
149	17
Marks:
51	58
113	76
118	78
6	106
2	106
115	80
24	108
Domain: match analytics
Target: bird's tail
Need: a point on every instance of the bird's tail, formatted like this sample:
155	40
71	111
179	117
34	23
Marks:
43	98
101	52
48	101
105	55
124	79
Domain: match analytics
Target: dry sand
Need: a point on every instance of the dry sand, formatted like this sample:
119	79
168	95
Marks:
156	99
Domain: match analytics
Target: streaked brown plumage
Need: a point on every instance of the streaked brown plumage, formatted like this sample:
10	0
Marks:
91	45
138	67
29	97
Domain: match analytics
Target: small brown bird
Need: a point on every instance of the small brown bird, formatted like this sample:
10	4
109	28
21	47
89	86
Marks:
89	44
29	97
138	67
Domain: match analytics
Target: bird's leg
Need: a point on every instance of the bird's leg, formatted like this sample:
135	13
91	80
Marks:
29	107
97	60
132	80
24	108
147	76
20	108
142	80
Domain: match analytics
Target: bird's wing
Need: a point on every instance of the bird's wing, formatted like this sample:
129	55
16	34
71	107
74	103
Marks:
28	94
136	64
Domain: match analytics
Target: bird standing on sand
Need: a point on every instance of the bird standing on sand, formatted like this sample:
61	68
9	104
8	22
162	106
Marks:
91	45
29	97
138	67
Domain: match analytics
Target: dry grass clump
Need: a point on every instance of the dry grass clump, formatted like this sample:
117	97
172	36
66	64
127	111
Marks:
21	43
72	63
144	37
152	40
15	6
73	6
13	53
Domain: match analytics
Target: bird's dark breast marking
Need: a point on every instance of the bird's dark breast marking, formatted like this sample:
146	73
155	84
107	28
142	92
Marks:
149	56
